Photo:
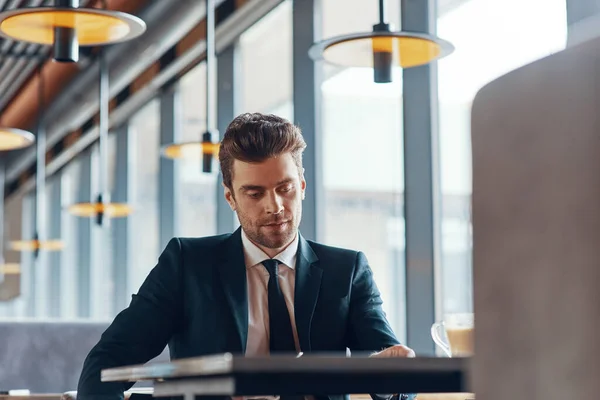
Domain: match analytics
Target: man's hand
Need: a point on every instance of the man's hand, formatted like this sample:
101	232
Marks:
395	351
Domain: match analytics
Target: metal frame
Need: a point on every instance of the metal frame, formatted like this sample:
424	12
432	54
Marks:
69	181
41	276
170	128
421	184
306	96
84	235
583	21
579	10
54	259
28	261
98	244
121	226
226	106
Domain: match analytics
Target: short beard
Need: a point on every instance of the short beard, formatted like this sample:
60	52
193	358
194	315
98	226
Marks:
273	242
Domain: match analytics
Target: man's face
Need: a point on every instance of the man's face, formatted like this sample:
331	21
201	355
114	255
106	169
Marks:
267	197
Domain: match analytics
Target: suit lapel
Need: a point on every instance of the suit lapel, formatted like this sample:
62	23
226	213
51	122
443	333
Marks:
232	269
308	284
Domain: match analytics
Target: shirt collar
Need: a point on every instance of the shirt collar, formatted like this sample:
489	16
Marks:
253	255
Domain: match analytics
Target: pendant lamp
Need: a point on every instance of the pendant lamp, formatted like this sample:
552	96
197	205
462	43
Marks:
13	138
67	27
9	268
38	242
102	207
381	49
204	149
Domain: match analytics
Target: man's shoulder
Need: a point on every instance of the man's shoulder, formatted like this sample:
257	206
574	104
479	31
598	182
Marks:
201	243
341	264
328	252
192	249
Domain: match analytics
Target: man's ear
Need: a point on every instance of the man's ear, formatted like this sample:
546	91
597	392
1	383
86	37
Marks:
229	197
303	185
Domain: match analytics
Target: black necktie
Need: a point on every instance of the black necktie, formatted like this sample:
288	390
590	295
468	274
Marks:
281	336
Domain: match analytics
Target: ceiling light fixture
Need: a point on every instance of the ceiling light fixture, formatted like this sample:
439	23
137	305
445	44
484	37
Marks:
9	268
13	138
67	27
102	207
205	149
381	49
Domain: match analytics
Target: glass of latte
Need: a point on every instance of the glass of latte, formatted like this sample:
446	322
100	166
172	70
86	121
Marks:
455	334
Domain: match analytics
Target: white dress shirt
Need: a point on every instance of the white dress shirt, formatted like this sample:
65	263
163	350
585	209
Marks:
258	301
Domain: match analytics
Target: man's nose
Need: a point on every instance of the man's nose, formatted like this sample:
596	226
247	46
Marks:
274	204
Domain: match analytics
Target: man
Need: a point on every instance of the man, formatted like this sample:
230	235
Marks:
261	290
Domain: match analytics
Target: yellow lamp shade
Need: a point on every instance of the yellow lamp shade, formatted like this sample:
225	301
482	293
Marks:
12	139
191	150
112	210
34	245
10	269
92	26
407	49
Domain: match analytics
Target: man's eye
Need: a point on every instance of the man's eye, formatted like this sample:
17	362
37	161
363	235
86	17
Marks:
253	195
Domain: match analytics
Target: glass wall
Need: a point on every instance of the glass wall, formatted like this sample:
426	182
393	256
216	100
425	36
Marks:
50	282
144	239
491	38
265	54
361	144
70	178
34	301
196	191
265	57
363	160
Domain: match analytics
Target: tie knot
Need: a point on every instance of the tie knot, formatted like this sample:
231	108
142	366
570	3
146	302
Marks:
271	266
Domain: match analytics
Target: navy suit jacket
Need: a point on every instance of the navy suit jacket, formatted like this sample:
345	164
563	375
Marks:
195	301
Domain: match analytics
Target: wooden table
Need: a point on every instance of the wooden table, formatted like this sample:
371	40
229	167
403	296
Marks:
230	375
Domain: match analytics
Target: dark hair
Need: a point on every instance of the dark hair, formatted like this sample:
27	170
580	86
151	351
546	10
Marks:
254	137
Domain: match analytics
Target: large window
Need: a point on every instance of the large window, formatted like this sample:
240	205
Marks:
102	285
266	65
491	38
265	52
35	284
143	242
70	177
363	159
196	190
